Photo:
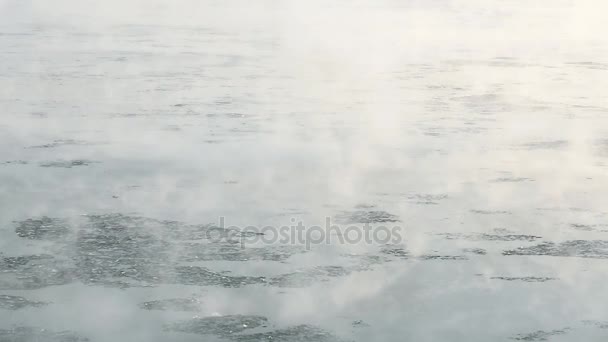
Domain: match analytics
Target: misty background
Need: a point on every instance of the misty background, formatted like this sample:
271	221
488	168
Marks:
128	128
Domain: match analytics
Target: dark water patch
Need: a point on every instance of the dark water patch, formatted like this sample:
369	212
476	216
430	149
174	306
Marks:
16	303
236	252
224	101
67	163
161	229
135	251
240	328
525	279
359	324
195	275
111	248
572	209
292	212
35	272
540	335
366	216
511	180
15	162
426	198
589	65
175	304
15	262
396	251
575	248
62	142
597	324
489	237
367	261
116	250
476	251
122	224
30	334
442	257
201	276
299	333
546	145
432	134
590	228
583	227
418	198
129	115
228	115
43	228
222	326
489	212
308	277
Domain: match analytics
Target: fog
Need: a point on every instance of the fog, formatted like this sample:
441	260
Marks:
130	130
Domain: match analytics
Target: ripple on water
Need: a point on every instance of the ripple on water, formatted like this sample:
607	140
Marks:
237	328
116	250
307	277
597	324
366	216
14	262
235	252
590	227
32	272
201	276
442	257
489	212
43	228
299	333
489	237
540	335
525	279
15	162
67	164
61	142
427	198
174	304
30	334
223	326
476	251
16	303
395	250
574	248
546	145
511	180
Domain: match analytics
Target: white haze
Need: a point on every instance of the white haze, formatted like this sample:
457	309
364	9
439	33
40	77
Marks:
259	111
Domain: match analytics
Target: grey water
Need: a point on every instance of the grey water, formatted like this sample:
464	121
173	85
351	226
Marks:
144	145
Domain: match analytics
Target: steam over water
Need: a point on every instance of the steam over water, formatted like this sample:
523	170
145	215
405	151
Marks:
447	159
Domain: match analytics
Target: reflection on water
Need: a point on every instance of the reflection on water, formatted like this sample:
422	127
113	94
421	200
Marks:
132	134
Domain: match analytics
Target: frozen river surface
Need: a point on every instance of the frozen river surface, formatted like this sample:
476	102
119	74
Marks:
469	138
